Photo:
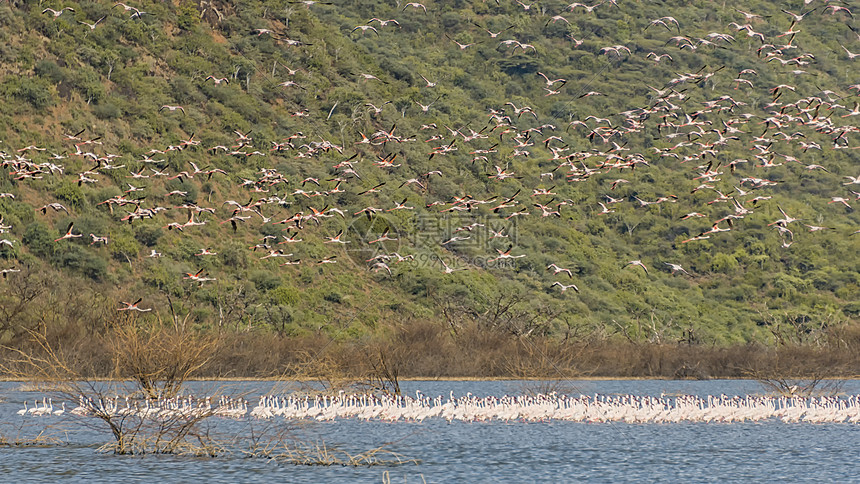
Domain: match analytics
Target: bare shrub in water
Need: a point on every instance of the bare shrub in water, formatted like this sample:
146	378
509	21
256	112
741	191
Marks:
150	365
802	371
802	387
157	358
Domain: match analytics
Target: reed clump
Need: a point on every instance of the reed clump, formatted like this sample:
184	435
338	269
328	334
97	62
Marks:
45	438
323	454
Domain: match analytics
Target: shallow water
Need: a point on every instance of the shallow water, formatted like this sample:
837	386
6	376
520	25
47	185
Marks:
470	452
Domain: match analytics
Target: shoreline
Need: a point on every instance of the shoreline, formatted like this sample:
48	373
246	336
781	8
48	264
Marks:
451	379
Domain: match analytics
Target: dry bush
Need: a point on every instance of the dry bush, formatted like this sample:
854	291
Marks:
182	433
322	369
547	387
805	387
481	351
159	359
804	370
542	358
845	336
421	348
141	347
156	360
435	350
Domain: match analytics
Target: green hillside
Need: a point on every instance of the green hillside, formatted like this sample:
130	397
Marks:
314	110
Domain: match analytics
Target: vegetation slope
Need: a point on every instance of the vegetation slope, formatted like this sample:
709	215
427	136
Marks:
670	126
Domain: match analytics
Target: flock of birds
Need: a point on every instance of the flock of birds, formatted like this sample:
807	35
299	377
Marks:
538	408
785	131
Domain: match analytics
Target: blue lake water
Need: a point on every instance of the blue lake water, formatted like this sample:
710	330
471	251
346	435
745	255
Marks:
496	451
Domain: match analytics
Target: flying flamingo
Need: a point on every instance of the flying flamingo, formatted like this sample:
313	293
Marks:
93	25
506	254
171	108
637	263
676	268
556	269
57	13
133	306
565	287
69	234
415	5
